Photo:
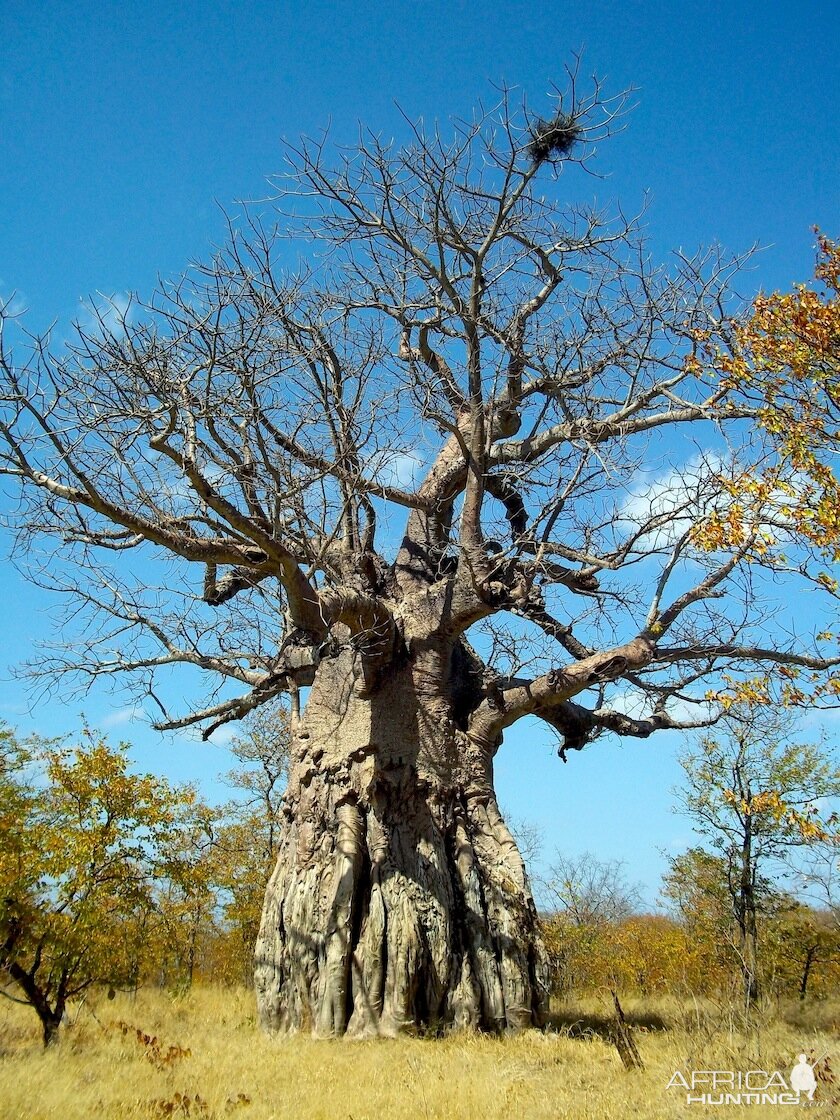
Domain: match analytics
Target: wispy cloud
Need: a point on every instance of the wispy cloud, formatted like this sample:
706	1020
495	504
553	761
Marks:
672	501
396	468
122	716
634	702
15	709
13	301
221	737
106	314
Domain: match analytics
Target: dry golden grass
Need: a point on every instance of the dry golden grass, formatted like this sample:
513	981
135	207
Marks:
103	1070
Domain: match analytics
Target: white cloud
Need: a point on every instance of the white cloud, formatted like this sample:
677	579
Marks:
404	469
106	315
14	302
221	737
675	499
121	716
634	702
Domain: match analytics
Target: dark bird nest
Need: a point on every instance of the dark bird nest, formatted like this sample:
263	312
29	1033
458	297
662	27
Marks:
554	139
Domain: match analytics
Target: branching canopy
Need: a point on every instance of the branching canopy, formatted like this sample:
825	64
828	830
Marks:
427	380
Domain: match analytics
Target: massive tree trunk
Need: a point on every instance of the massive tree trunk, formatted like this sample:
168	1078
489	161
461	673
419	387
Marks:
399	898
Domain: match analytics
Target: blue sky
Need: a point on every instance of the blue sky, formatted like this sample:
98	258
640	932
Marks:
124	128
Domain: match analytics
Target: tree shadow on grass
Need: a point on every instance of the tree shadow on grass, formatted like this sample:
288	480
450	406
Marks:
586	1025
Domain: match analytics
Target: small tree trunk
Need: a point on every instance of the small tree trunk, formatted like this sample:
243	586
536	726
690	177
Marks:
50	1016
806	971
399	899
191	947
748	919
50	1022
750	968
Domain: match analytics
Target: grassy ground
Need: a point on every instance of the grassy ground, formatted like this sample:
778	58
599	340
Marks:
203	1056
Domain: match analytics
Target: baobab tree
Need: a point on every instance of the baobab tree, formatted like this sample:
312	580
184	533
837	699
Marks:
385	455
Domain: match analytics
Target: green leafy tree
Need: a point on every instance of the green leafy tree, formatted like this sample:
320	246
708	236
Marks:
246	842
695	887
186	897
755	792
804	947
81	838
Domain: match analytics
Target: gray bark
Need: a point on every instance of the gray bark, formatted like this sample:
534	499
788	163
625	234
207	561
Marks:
399	899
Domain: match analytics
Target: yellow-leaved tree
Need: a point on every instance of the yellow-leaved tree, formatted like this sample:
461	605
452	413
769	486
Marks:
247	839
82	839
757	793
784	357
